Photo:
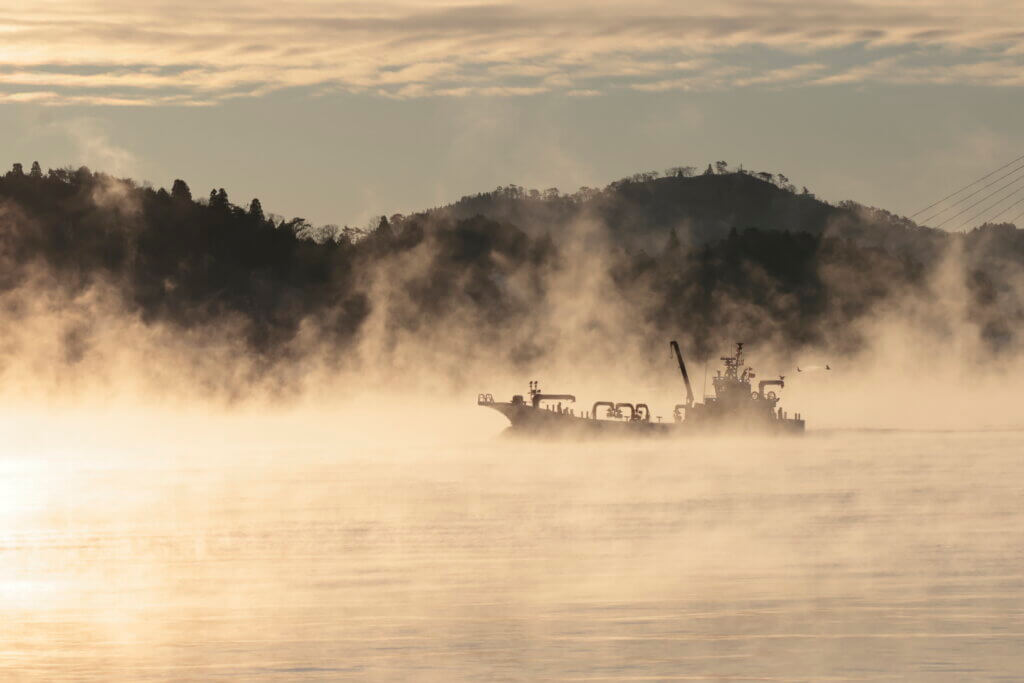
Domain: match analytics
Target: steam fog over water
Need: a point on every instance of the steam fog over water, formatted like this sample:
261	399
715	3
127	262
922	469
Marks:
245	445
240	446
177	547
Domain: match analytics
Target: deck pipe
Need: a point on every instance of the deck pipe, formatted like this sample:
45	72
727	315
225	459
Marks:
537	398
769	382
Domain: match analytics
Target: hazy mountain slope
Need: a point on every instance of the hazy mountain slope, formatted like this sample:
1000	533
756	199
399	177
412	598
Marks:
700	209
500	278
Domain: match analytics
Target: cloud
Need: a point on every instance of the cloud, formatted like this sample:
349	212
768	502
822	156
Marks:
781	76
997	73
114	52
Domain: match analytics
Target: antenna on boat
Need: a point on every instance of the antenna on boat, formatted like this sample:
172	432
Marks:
704	389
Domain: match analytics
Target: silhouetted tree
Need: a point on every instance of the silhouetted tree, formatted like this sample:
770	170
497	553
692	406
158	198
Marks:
722	167
680	171
256	209
17	171
299	227
180	190
37	171
326	233
61	175
219	199
353	235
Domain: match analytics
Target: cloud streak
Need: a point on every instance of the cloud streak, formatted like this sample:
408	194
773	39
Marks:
113	52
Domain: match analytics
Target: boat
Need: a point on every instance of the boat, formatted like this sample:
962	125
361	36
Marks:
736	407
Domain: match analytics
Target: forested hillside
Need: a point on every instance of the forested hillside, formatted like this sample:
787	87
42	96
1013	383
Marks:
699	208
708	258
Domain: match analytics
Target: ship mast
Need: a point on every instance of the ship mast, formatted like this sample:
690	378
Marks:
733	363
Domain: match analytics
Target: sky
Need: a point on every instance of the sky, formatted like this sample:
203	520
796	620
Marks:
340	111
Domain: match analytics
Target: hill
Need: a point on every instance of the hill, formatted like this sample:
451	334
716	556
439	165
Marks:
642	210
709	258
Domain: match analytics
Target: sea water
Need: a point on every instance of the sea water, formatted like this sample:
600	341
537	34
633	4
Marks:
848	555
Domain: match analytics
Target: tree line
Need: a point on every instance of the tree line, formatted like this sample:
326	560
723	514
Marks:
804	277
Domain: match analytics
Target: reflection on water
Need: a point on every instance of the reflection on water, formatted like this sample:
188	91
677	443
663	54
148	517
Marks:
856	556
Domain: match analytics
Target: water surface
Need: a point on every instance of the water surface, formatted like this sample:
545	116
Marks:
843	556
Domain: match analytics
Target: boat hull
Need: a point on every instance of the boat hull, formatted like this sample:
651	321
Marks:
525	420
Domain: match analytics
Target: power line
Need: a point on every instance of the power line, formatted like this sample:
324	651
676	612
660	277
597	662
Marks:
970	221
966	197
1015	218
971	206
1005	210
967	186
